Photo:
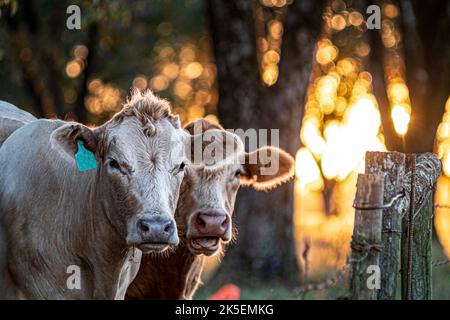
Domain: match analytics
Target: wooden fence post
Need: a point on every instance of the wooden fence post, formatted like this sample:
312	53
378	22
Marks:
366	235
416	261
392	164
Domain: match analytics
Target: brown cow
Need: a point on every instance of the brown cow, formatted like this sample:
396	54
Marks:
203	218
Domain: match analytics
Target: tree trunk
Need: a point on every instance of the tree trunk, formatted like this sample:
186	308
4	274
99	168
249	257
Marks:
427	67
392	140
265	248
80	108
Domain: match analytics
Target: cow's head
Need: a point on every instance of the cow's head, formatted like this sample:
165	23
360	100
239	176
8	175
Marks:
141	153
208	193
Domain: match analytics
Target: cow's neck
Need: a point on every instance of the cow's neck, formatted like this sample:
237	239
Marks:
104	248
172	276
188	271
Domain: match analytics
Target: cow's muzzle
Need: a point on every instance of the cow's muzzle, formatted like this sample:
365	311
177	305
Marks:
156	233
207	230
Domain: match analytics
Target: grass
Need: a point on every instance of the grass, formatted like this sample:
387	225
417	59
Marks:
441	275
253	290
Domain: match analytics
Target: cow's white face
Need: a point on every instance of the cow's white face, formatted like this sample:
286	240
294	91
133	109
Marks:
140	169
144	172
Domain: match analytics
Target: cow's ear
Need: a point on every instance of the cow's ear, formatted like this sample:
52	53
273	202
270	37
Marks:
201	125
175	121
266	168
64	139
214	147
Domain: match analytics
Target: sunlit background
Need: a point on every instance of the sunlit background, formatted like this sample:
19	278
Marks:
342	122
182	70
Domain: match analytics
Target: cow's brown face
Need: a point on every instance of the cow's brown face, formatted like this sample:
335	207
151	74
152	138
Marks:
209	206
208	194
206	207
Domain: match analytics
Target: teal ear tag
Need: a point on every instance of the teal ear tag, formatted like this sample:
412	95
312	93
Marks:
85	159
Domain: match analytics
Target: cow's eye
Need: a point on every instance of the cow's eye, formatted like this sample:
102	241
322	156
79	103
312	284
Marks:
236	178
113	164
180	168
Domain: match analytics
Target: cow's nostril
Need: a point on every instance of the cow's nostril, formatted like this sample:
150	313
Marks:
225	222
144	227
168	227
213	224
200	222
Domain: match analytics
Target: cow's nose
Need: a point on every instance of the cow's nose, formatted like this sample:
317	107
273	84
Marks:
158	229
212	223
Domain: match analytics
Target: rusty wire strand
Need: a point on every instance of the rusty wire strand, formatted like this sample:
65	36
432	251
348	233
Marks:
364	206
441	206
327	283
441	263
360	246
338	277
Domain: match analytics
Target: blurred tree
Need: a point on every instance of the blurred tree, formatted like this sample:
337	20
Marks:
425	27
425	44
265	247
85	74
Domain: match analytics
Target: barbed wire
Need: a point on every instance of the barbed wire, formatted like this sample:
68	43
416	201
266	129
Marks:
441	263
327	283
441	206
363	247
390	203
366	248
339	276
